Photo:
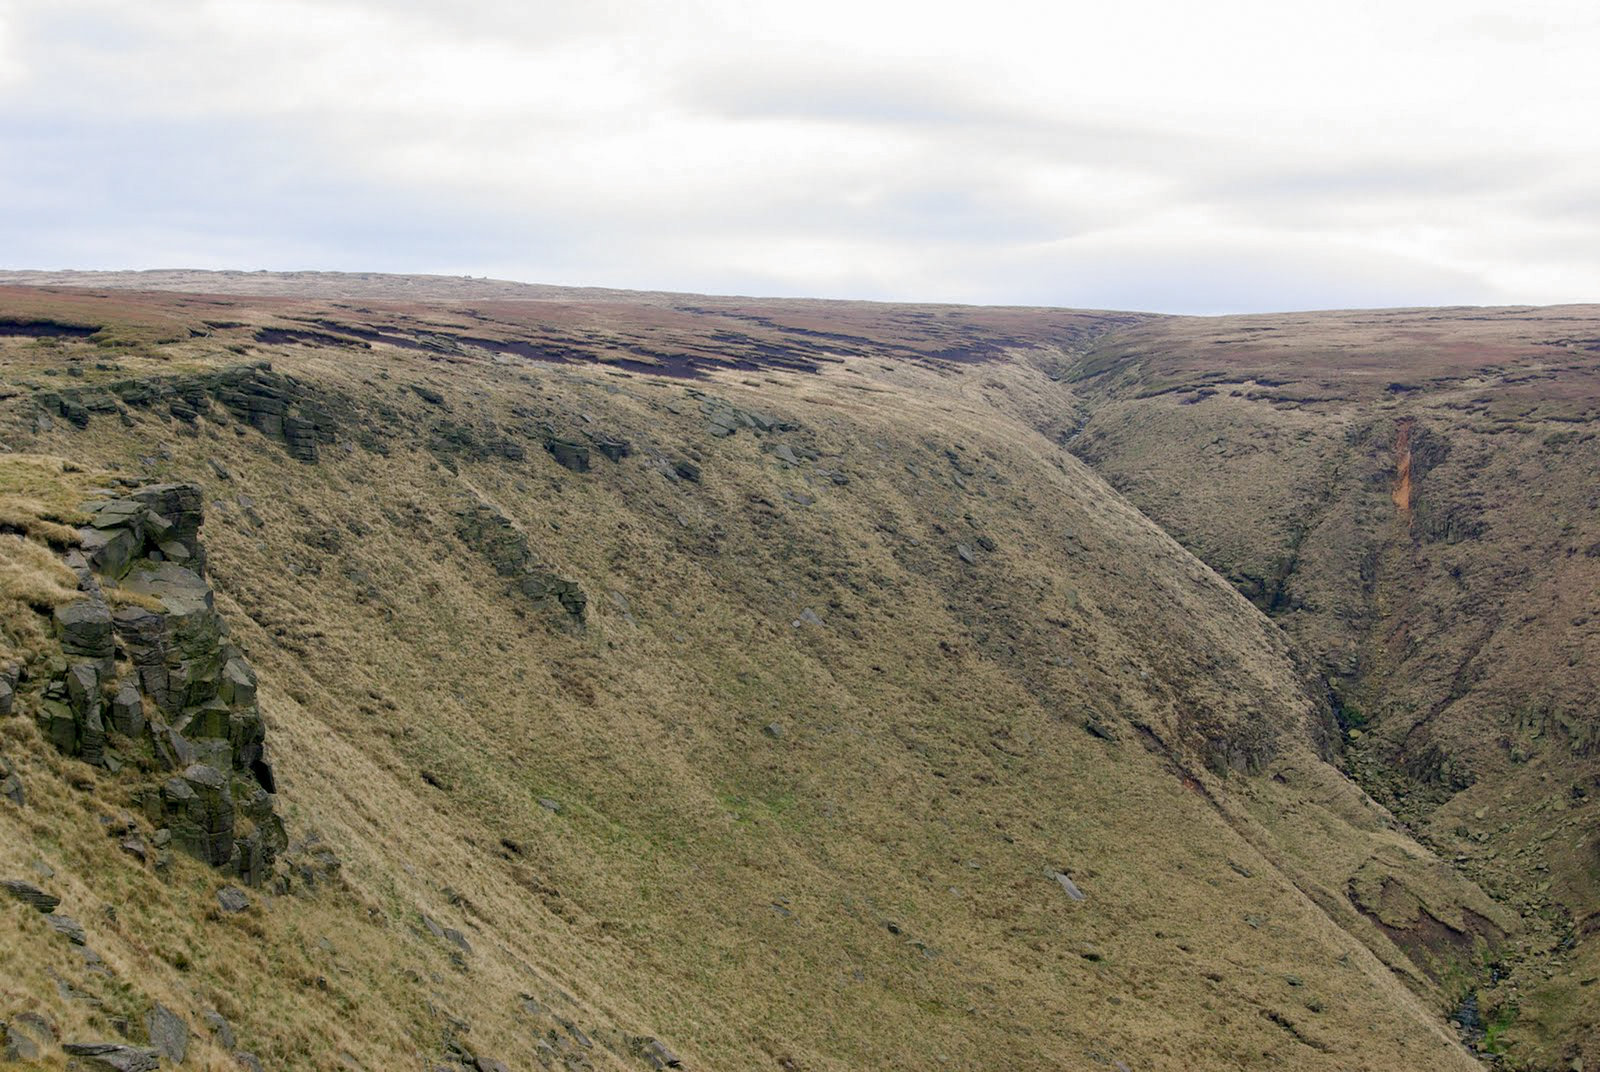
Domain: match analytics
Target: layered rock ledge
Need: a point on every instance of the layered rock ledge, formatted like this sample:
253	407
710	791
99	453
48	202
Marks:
148	676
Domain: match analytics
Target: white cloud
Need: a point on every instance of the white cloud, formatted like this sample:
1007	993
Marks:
1397	149
11	68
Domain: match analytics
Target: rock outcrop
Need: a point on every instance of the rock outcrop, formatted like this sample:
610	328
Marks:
278	406
157	681
493	535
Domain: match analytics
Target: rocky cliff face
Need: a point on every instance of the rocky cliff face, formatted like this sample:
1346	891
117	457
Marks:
146	676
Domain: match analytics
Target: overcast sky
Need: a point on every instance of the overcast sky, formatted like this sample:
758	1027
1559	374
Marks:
1226	155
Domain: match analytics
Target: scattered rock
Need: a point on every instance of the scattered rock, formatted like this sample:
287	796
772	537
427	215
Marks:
615	449
169	1034
550	805
25	1038
808	617
232	899
113	1057
723	418
11	783
773	730
221	1029
687	470
833	476
966	554
1068	885
68	928
493	535
1097	728
29	894
448	934
568	453
654	1054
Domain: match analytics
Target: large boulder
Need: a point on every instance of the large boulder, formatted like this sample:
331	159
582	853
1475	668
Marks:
127	712
26	1038
180	589
84	629
143	635
169	1034
159	520
173	515
199	811
59	724
568	453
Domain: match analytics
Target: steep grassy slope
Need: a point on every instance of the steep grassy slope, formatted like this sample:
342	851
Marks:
1413	496
843	720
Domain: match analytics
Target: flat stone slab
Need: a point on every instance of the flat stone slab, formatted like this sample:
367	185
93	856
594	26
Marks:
233	899
182	590
1070	886
68	928
28	893
113	1056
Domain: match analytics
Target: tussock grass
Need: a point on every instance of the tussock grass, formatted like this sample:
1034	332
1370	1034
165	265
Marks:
38	495
868	888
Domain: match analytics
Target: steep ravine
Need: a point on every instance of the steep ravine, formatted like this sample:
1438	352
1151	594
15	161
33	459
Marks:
1431	527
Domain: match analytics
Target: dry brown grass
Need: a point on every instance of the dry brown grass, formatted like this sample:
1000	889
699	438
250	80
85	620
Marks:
36	495
868	889
1460	633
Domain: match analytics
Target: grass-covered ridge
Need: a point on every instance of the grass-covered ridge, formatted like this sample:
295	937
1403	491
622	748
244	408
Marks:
866	662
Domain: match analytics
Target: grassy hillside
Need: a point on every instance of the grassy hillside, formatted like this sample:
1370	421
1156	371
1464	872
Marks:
1412	496
761	682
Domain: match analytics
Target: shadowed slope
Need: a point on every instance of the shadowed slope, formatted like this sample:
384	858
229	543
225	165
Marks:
1412	495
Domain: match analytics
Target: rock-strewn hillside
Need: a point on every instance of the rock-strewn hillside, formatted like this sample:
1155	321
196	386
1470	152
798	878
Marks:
640	694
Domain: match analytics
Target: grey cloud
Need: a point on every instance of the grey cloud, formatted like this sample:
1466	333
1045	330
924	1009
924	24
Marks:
730	162
233	195
1222	276
927	99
